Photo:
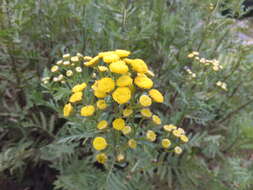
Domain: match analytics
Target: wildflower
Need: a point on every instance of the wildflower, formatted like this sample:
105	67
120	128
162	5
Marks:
66	56
99	143
120	157
156	119
118	124
59	62
69	73
54	68
55	79
66	63
110	57
92	62
156	95
184	138
143	82
101	158
124	80
176	133
79	69
178	150
181	130
169	128
87	58
79	87
74	59
151	136
67	110
122	53
127	112
166	143
105	85
102	124
139	66
191	55
102	68
146	112
101	104
122	95
87	110
119	67
132	143
126	130
145	100
76	97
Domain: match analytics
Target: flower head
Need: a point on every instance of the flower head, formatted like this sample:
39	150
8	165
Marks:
76	97
119	67
151	136
178	150
118	124
127	112
67	110
79	87
101	158
101	104
122	95
146	112
156	95
99	143
143	81
156	119
87	110
145	100
166	143
132	143
124	80
122	53
102	124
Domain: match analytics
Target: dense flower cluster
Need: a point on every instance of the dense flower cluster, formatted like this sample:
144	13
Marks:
119	97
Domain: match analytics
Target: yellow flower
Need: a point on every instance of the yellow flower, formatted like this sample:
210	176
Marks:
102	68
176	133
69	73
66	56
178	150
146	112
156	95
67	110
124	80
118	124
99	94
59	62
87	110
132	143
145	100
99	143
87	58
101	158
128	61
156	119
92	62
105	85
119	67
151	136
101	104
122	53
166	143
126	130
79	87
122	95
127	112
184	138
181	131
66	63
54	68
76	97
139	66
143	82
74	59
102	124
110	57
120	157
169	128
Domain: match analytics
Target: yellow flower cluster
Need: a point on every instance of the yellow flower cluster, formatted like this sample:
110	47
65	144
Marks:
118	92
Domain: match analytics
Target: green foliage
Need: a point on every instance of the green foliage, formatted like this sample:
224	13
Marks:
34	34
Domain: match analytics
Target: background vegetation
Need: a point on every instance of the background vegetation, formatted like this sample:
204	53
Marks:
40	150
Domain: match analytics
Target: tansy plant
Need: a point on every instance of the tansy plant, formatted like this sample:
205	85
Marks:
115	101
